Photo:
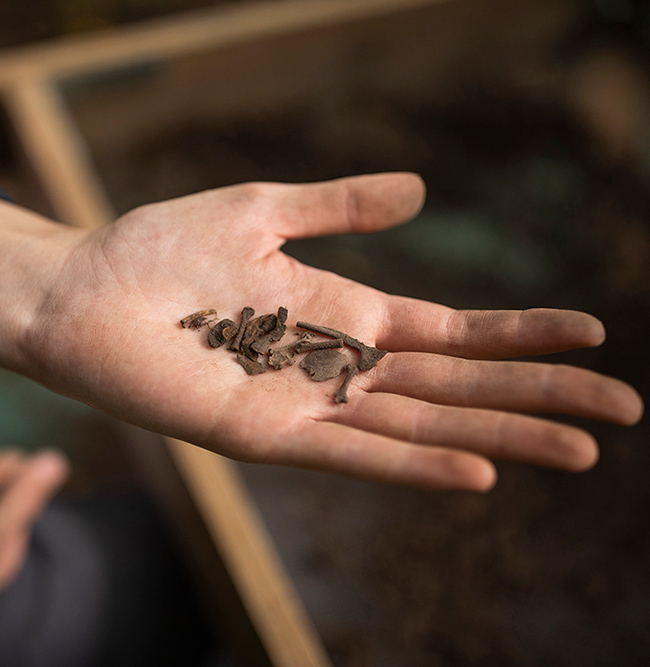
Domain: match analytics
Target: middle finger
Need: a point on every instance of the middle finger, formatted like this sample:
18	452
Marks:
493	434
514	386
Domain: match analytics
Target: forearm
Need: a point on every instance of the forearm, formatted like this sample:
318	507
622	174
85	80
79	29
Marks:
33	249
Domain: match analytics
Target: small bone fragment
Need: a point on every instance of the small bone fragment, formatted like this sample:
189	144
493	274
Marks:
262	344
310	346
246	315
341	395
254	329
324	364
279	357
369	355
198	319
250	366
221	332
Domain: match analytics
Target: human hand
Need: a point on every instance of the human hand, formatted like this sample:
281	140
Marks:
431	414
27	482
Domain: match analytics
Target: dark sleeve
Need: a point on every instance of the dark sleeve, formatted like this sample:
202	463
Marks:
102	587
51	614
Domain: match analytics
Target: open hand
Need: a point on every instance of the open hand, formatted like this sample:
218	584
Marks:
431	414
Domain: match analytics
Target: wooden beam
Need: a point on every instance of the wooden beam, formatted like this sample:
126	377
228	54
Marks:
246	549
57	153
191	32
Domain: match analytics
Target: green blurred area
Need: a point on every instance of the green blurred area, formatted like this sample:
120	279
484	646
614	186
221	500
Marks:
32	417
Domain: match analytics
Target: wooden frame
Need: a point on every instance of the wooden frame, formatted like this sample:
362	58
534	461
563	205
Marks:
30	80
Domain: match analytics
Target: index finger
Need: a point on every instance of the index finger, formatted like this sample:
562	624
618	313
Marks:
412	325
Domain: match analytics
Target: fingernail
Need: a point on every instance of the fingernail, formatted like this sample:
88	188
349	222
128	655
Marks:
486	479
599	332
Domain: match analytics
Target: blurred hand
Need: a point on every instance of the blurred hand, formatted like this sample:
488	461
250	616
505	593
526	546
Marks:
27	482
432	414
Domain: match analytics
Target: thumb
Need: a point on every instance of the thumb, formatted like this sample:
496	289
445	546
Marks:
21	502
28	493
353	205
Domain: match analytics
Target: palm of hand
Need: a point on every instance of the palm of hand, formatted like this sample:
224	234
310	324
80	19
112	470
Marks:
426	415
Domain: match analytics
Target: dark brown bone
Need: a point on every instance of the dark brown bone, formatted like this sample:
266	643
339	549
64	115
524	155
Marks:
254	329
198	319
250	366
246	315
221	332
341	395
279	357
369	355
324	364
310	346
262	344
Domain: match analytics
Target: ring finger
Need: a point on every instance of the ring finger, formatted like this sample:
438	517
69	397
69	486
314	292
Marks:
493	434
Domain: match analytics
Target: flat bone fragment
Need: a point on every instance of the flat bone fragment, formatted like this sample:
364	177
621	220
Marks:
222	331
341	395
262	344
324	364
250	366
254	329
369	355
246	315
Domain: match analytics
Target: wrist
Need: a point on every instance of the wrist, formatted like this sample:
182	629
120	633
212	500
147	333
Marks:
33	249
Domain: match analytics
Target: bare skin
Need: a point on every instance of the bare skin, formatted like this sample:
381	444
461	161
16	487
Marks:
27	482
95	315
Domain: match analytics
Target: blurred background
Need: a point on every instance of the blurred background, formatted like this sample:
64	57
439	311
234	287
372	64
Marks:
530	123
